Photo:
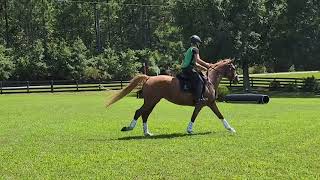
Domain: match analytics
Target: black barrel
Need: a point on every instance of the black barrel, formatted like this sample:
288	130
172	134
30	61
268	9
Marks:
253	98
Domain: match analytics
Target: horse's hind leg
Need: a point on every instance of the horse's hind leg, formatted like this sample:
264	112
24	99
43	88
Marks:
144	111
145	114
134	121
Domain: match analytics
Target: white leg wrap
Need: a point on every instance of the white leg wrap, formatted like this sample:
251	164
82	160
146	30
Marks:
133	124
189	128
227	126
146	130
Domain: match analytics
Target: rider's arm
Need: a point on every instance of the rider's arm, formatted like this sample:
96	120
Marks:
200	61
200	67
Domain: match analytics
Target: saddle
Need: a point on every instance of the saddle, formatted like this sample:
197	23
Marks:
186	83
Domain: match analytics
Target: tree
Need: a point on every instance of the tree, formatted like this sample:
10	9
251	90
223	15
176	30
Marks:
75	20
67	61
4	6
206	19
30	63
169	46
104	66
79	56
247	24
59	38
6	64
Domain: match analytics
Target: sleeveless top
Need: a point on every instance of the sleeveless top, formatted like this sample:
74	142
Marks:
189	61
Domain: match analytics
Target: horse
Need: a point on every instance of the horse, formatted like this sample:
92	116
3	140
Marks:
155	88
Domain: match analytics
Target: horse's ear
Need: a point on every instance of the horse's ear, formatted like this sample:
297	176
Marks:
233	59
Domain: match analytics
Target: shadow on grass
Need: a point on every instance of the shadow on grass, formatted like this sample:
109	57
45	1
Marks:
163	136
282	94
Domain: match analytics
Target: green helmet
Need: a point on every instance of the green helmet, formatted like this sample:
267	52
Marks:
195	39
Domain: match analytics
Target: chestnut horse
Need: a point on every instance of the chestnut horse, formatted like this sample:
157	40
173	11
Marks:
157	87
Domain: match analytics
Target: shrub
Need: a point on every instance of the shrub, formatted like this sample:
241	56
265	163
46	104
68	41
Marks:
292	68
317	90
310	84
239	71
292	87
257	69
91	73
274	85
222	92
153	70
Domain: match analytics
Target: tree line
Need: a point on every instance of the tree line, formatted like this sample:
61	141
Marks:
112	39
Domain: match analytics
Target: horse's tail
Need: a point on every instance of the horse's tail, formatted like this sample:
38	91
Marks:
133	83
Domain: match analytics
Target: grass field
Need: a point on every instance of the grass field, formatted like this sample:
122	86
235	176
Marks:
72	136
290	75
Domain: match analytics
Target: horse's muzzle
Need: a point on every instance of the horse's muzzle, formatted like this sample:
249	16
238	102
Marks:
236	79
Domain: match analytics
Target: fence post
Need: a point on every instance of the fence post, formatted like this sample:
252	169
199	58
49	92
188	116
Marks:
121	83
77	85
251	82
28	85
99	85
230	83
0	87
52	86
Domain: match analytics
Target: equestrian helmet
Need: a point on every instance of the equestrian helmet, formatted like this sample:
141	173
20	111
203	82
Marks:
195	39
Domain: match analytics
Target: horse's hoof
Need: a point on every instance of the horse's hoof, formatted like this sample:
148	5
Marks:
125	129
148	134
232	130
189	132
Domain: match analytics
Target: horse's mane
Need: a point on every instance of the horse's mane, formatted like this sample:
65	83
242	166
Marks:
223	60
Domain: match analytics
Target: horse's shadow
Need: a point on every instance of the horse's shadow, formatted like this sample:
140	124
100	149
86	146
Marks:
162	136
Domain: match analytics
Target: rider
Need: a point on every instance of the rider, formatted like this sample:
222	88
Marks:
192	59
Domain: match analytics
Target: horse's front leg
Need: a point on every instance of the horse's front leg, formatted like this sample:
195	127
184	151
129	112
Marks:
214	108
195	113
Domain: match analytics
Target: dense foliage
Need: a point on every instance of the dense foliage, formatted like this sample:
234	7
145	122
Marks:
65	39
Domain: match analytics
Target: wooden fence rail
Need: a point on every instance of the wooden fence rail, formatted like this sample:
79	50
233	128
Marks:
265	82
52	86
7	87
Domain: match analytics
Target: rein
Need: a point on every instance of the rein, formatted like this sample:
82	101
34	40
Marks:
214	70
219	73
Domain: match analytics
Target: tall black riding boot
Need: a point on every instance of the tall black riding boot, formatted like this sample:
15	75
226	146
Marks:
198	94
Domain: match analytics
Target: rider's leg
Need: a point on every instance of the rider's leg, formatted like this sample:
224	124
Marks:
198	85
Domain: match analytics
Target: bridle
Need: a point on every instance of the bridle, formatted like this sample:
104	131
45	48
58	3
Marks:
214	68
219	73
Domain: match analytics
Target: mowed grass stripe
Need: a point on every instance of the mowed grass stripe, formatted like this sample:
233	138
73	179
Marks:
72	135
290	75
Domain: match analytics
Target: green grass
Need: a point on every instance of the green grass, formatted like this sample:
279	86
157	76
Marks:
290	75
71	135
